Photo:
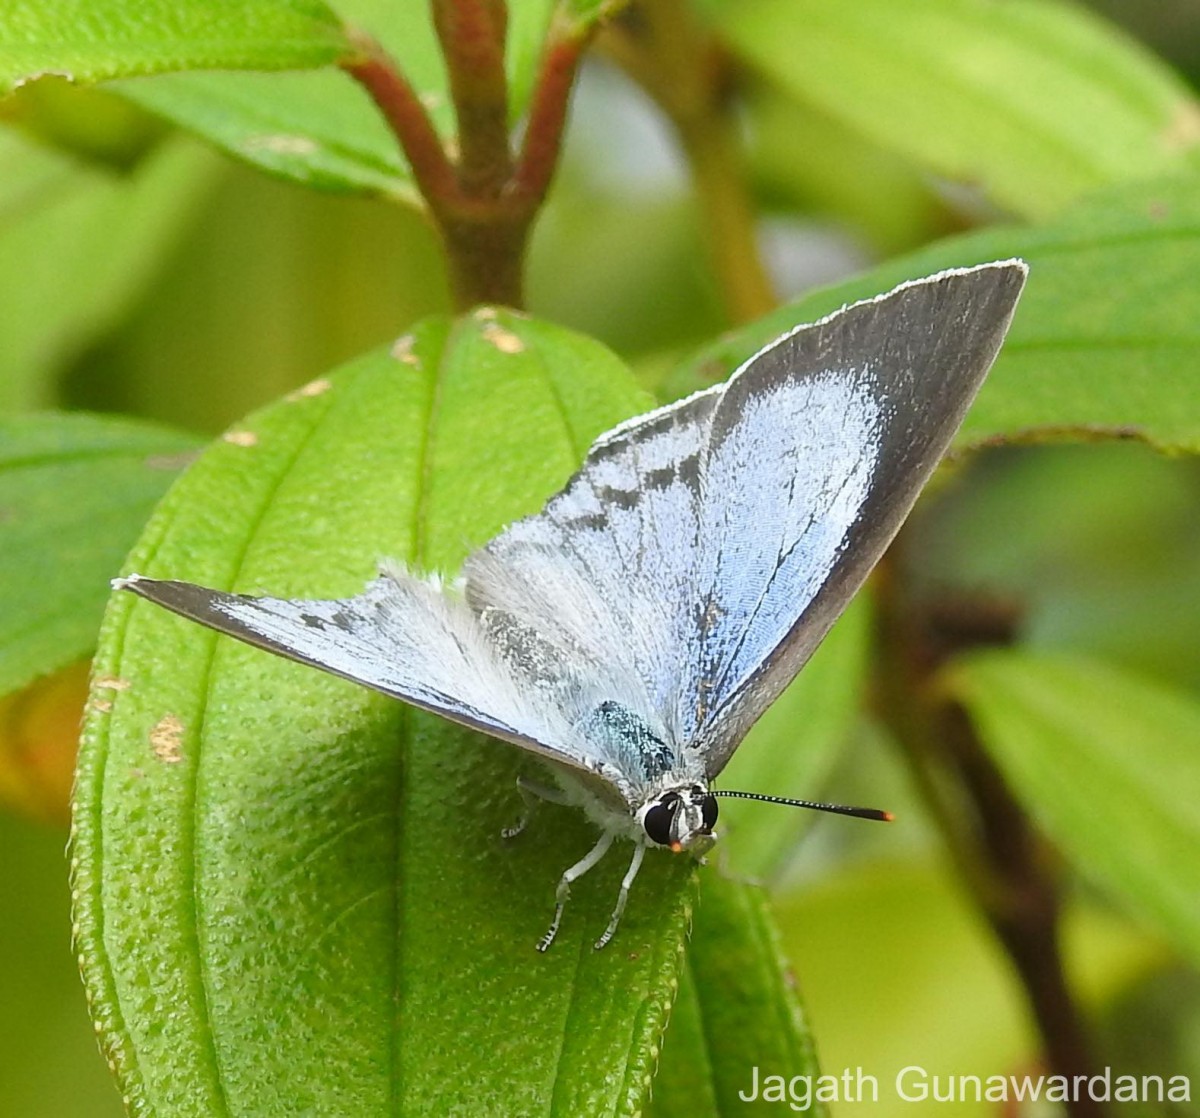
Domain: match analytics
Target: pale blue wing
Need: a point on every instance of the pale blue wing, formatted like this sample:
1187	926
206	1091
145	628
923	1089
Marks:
701	553
606	572
817	451
402	636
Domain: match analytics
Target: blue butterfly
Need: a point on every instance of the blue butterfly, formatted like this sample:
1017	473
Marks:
633	631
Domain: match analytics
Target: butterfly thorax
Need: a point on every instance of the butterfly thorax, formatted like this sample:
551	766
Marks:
668	802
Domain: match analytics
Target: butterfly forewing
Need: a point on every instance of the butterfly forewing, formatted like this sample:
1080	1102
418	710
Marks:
403	637
818	450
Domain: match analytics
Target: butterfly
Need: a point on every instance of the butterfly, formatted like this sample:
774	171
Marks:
631	633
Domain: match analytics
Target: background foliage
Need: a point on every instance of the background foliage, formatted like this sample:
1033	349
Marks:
213	219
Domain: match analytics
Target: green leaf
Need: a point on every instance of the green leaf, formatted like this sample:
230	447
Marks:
291	892
91	41
80	245
75	492
1106	339
320	128
50	1064
737	1010
1032	101
791	748
883	198
1107	763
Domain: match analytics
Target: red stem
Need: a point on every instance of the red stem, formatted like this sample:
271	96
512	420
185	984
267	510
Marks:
472	35
547	115
402	108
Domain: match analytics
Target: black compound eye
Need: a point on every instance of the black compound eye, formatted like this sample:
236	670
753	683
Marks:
708	810
657	820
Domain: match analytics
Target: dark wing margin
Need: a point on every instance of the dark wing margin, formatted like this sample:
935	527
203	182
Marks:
818	450
401	637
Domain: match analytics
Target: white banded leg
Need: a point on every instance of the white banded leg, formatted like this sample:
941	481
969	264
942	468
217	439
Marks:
564	886
639	852
531	793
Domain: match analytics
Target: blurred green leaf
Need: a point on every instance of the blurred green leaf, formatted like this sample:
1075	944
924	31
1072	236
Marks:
1106	339
898	968
1031	101
1107	763
268	287
75	492
877	194
1098	544
51	1066
791	748
309	875
737	1010
98	39
79	244
320	128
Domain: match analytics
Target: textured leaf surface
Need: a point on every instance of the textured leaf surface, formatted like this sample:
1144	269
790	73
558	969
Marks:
1106	339
1108	763
75	492
1032	102
98	39
292	893
737	1010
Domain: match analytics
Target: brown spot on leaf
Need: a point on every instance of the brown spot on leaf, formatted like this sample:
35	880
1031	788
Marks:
402	350
1183	130
166	739
504	340
279	144
171	462
241	438
112	682
313	388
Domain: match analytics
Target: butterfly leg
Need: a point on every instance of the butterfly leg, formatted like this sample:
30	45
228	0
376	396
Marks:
531	793
639	852
564	886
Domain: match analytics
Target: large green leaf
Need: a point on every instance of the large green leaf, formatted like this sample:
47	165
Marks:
1032	101
1106	339
1108	764
291	893
75	492
98	39
737	1010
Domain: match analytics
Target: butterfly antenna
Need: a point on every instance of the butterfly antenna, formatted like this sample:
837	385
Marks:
835	809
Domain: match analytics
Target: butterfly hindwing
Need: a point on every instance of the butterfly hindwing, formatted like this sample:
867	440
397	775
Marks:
606	567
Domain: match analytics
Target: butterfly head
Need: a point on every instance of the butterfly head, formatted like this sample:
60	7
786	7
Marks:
681	818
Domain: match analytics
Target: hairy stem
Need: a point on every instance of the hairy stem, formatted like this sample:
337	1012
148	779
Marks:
1004	862
662	47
